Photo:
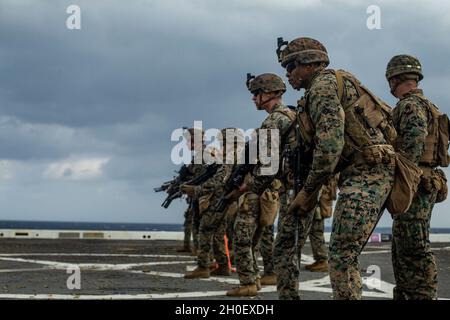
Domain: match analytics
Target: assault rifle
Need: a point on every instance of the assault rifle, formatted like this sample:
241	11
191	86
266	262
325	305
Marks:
183	176
175	192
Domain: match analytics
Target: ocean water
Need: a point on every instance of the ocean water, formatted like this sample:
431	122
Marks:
58	225
55	225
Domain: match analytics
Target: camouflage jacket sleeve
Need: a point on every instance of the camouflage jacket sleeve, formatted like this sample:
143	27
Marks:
216	182
328	117
410	120
261	179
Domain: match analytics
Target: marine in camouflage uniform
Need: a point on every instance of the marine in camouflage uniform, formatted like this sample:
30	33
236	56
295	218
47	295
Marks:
192	216
339	129
196	168
414	265
267	90
212	223
212	226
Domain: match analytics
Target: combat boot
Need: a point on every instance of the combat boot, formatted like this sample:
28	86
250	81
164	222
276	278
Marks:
269	280
243	291
197	273
319	266
221	270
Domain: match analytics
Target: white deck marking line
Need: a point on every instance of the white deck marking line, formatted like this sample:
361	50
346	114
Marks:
376	251
23	270
181	275
389	251
438	249
93	266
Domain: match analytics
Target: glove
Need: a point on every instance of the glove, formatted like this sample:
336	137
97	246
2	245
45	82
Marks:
188	189
244	188
304	203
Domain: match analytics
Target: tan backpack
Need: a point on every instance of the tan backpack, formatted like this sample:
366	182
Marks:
377	115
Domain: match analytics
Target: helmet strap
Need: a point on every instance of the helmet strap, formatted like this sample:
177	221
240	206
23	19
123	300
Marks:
270	99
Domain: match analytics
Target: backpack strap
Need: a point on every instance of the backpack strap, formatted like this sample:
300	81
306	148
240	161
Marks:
292	116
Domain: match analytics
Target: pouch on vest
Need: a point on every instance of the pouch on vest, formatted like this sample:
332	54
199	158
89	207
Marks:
204	202
406	182
243	206
434	181
269	202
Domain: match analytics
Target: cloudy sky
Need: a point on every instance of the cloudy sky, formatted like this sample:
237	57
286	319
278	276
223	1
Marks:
86	115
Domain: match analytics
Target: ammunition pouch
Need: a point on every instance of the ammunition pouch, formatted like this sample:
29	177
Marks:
243	206
406	182
380	154
434	181
269	203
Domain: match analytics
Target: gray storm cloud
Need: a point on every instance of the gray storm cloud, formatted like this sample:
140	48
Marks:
115	90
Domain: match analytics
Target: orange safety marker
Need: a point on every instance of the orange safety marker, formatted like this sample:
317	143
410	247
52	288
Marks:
225	239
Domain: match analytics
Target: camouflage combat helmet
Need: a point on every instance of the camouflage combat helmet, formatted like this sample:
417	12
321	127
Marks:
304	50
266	82
403	64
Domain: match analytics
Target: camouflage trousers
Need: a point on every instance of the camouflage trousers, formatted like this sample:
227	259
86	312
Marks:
316	236
246	238
230	220
265	248
188	219
363	192
211	236
414	265
291	237
195	224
